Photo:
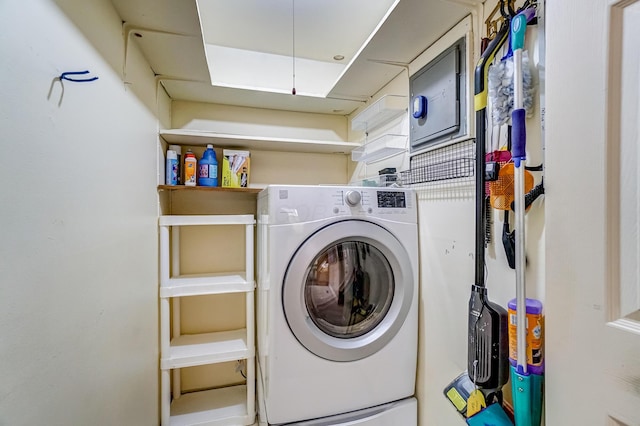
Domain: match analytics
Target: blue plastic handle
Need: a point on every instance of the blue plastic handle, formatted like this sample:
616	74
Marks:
518	29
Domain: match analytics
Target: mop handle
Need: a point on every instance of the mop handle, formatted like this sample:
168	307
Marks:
518	148
518	29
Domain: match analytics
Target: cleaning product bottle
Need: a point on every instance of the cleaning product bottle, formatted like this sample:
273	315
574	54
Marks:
535	330
171	175
178	150
208	168
190	166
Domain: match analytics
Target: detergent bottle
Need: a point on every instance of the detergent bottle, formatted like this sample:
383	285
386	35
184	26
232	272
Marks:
172	168
190	164
208	168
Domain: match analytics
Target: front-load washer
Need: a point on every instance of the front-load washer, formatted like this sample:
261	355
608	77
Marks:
337	300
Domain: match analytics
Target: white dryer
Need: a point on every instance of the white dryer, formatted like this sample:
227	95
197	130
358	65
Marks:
337	300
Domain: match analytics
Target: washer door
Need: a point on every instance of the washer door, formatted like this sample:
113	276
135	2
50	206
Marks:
348	290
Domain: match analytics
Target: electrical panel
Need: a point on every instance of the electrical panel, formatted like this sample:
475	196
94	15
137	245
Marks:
438	99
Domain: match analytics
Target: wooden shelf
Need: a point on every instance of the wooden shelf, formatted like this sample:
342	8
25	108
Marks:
207	188
263	143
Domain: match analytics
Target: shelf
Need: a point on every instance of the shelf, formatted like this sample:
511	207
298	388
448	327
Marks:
188	350
207	188
202	138
385	146
203	284
191	220
380	112
227	406
224	406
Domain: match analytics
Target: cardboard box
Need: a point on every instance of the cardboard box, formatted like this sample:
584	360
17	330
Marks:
235	168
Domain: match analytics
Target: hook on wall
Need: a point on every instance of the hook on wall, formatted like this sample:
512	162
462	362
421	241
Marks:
65	76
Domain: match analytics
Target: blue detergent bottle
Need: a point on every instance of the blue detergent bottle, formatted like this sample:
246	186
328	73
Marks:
208	168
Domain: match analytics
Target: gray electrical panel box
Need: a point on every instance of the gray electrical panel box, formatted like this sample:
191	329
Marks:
438	99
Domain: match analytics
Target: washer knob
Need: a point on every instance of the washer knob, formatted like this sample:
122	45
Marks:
353	198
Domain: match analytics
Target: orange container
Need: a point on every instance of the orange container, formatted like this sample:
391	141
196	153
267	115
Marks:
535	330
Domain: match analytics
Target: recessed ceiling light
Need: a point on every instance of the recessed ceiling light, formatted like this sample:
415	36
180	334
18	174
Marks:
338	58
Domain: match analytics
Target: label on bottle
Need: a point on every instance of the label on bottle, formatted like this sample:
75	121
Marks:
207	171
534	325
190	173
172	172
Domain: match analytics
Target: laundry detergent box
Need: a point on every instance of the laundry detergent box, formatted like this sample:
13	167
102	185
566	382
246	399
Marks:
235	168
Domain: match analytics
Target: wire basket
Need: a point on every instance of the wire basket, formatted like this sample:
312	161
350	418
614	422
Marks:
455	162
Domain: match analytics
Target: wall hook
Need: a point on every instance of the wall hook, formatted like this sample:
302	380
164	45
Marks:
64	76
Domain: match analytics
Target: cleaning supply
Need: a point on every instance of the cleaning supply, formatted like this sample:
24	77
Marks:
235	168
190	168
535	325
178	150
488	345
171	174
458	392
526	385
208	168
493	415
501	90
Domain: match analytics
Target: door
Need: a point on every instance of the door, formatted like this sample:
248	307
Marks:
592	212
348	290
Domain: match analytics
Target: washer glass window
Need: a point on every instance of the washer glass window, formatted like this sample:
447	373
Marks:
349	288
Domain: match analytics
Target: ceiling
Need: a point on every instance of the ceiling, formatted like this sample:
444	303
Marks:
375	38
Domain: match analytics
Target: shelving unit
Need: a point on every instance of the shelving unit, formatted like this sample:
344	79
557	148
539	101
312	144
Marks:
386	145
380	148
222	406
380	112
202	138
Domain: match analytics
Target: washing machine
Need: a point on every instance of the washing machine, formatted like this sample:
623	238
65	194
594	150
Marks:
337	311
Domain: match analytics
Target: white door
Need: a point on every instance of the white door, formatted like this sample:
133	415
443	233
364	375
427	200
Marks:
592	212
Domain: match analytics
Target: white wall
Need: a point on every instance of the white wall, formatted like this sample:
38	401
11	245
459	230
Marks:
78	254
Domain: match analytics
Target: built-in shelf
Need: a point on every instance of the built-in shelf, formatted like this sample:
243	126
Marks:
263	143
188	350
253	190
380	148
216	406
380	112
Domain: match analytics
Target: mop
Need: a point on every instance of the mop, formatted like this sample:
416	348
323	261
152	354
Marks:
526	385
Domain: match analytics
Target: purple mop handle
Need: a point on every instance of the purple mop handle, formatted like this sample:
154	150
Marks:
519	136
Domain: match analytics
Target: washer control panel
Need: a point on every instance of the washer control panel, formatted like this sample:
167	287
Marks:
296	204
371	201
